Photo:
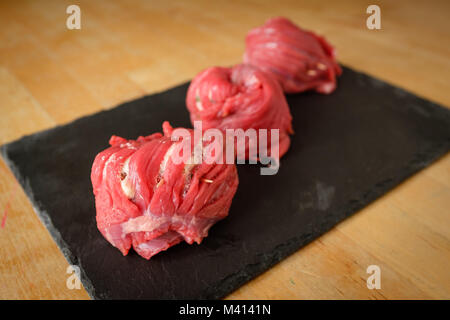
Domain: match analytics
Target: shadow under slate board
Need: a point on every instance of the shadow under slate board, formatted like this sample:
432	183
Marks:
349	148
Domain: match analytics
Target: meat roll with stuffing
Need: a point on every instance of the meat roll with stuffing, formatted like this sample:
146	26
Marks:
301	60
147	200
241	97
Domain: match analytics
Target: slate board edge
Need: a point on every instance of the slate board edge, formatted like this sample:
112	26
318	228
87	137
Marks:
233	281
47	222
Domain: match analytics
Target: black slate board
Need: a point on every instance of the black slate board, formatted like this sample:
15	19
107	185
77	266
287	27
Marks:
349	148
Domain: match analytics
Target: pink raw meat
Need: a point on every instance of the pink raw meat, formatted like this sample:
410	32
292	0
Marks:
299	59
147	200
240	97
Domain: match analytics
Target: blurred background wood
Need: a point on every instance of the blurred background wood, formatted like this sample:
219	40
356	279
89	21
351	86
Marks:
50	75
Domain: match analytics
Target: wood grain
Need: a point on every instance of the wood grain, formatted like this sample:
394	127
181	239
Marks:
50	75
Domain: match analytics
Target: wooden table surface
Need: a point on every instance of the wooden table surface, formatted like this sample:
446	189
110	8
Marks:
50	75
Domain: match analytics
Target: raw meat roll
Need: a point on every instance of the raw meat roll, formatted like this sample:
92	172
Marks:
149	199
242	97
299	59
